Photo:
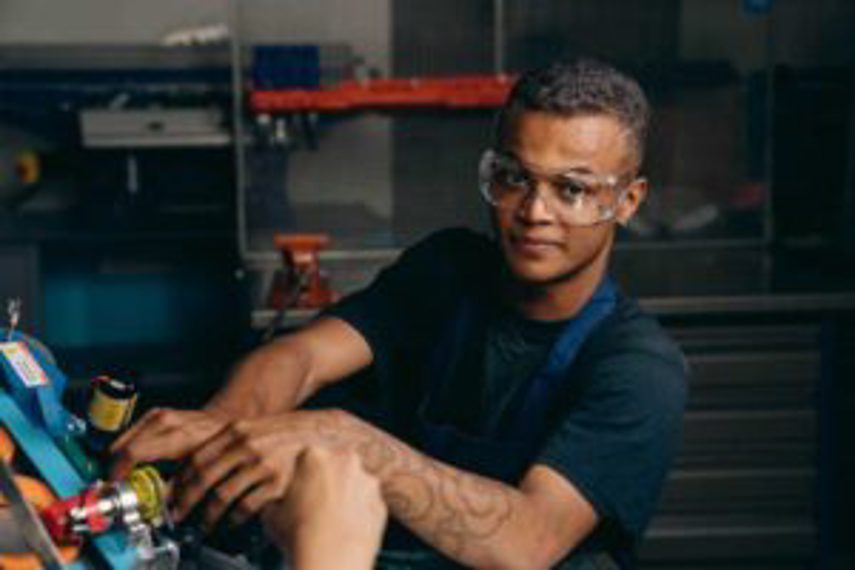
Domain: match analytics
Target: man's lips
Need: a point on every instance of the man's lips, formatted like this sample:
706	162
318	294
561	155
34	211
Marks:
534	243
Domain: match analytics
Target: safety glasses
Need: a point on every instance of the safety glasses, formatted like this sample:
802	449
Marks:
577	198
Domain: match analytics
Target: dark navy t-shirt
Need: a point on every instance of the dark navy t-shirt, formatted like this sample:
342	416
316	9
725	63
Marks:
613	429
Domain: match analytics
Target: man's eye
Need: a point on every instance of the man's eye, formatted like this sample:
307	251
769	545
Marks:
573	190
511	177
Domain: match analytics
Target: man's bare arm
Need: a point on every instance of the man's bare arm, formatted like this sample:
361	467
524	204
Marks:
274	379
281	375
477	521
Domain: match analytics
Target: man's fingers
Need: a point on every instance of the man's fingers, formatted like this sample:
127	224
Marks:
254	501
148	447
232	489
121	467
209	452
151	417
212	449
303	459
135	445
200	477
155	444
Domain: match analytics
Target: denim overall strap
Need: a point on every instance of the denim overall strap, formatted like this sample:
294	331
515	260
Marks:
503	454
528	423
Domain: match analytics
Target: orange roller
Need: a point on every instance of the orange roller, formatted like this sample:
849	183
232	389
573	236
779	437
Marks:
7	446
40	497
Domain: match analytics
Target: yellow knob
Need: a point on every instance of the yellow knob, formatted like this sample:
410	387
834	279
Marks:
150	490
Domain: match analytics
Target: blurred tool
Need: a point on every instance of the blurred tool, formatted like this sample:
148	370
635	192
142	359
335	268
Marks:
111	409
300	284
304	284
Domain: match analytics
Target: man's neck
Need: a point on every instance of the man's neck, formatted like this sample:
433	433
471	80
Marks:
562	299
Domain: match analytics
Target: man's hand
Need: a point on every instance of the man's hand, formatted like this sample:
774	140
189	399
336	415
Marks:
248	464
333	514
164	434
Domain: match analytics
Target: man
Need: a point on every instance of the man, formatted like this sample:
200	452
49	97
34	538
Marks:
525	412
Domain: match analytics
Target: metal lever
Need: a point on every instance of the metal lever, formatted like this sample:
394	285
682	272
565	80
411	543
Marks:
33	529
13	310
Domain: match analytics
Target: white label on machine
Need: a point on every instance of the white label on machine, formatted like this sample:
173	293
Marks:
22	361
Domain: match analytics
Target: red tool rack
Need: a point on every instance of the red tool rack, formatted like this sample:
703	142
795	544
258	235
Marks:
470	91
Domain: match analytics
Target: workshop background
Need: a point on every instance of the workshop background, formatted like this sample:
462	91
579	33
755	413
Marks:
157	161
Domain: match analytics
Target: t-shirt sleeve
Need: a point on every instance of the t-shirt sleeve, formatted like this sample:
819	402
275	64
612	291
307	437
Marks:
617	442
407	301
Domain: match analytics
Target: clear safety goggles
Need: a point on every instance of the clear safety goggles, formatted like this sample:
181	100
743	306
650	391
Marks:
576	198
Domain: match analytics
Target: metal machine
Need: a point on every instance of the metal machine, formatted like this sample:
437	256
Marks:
55	511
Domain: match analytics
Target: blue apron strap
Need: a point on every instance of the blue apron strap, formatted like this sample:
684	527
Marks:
529	421
526	425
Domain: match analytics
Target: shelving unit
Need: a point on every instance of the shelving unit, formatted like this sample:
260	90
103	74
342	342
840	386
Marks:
131	254
459	92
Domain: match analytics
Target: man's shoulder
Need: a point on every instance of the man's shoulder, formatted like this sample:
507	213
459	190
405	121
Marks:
626	402
455	253
455	242
631	329
637	351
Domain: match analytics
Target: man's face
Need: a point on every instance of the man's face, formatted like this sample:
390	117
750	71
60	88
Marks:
539	245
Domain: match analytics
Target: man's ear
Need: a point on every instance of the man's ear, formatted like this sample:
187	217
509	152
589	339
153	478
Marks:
634	195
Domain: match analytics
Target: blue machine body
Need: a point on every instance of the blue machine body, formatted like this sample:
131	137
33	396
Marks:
32	413
40	400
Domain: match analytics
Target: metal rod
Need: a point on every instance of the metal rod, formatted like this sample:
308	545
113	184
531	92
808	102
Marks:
13	308
34	531
499	36
238	126
769	203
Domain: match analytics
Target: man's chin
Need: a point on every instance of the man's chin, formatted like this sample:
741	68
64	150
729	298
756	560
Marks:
539	275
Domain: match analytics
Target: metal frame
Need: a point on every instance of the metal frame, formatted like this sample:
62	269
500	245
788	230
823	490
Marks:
238	127
254	259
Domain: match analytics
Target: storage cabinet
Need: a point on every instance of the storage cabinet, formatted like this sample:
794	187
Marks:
754	484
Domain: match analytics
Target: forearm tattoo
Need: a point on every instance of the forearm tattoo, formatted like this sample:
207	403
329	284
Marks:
453	510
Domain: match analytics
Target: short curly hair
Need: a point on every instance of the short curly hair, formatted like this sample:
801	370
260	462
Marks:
580	87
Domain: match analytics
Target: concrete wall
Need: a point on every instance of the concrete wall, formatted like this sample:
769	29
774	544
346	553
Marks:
102	21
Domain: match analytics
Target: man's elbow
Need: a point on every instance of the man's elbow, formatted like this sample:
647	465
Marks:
545	548
551	549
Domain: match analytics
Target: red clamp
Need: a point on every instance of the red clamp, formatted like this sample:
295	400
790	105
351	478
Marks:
62	517
305	284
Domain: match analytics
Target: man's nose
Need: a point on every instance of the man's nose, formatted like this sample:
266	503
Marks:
536	205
